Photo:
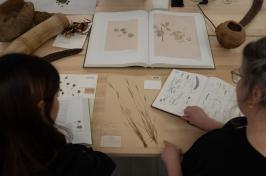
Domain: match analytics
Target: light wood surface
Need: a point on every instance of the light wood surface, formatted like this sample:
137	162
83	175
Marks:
168	127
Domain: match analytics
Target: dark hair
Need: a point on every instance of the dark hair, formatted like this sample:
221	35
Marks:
254	67
28	138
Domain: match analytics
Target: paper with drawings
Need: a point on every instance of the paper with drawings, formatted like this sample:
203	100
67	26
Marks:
76	85
73	114
183	89
219	100
65	6
72	85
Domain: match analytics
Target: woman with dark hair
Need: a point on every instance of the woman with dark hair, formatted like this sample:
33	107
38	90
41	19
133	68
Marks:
238	147
29	142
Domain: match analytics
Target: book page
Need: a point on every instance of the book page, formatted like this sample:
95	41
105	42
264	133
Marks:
124	33
180	90
178	40
118	39
219	101
74	116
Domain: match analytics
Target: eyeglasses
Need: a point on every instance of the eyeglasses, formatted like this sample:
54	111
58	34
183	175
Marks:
236	76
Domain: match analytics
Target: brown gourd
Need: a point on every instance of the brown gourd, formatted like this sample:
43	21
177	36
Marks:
231	34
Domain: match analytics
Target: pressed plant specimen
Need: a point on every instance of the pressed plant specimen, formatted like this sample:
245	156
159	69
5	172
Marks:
123	32
180	36
160	31
164	29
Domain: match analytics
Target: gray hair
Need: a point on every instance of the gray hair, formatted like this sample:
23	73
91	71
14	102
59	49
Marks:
254	67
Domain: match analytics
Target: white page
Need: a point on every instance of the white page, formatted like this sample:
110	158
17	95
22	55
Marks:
109	47
65	6
183	44
74	115
79	85
180	90
75	41
218	99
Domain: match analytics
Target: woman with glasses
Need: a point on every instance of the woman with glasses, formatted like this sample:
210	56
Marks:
239	146
30	144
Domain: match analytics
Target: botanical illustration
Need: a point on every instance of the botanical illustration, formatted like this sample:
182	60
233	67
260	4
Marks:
77	85
122	32
165	29
121	35
175	37
220	99
212	94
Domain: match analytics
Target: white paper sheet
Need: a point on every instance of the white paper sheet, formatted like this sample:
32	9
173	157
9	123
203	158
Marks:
75	41
74	115
65	6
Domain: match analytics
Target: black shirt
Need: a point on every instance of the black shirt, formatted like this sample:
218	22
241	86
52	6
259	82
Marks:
224	152
78	160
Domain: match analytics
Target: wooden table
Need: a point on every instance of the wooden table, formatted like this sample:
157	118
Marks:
168	127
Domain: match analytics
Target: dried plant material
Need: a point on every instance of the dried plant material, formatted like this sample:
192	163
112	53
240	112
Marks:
123	32
161	30
62	3
165	29
127	113
139	119
77	27
140	103
173	35
180	36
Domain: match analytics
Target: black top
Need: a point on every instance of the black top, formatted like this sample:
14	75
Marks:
78	160
224	152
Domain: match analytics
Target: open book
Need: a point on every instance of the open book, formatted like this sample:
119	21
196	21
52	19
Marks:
76	102
149	39
182	89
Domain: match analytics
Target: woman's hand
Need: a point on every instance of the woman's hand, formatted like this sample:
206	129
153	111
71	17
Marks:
171	157
197	117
